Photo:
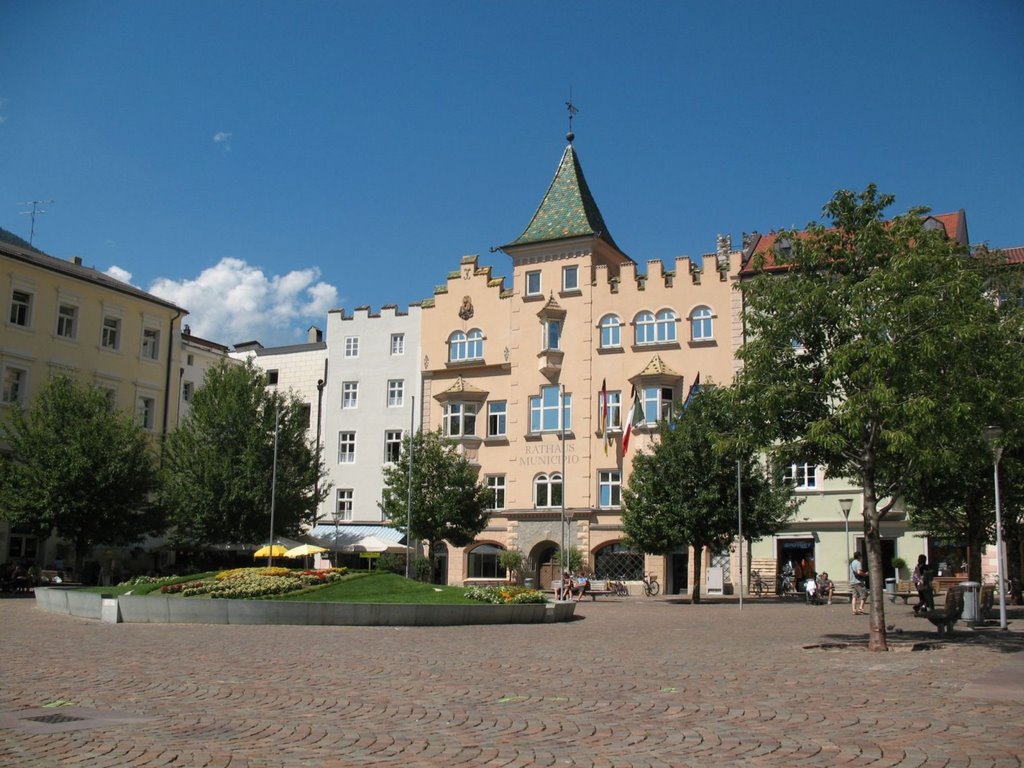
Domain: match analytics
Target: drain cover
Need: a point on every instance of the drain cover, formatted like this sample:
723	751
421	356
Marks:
53	719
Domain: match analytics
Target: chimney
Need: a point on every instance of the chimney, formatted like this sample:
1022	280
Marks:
76	260
314	335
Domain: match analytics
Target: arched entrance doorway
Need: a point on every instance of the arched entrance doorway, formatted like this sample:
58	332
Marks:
545	567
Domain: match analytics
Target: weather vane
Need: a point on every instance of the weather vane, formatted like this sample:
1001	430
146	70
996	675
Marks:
572	111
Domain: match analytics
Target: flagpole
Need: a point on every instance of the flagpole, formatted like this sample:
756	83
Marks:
561	421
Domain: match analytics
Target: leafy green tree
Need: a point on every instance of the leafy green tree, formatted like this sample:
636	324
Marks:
448	502
684	490
870	343
571	560
515	563
219	465
78	468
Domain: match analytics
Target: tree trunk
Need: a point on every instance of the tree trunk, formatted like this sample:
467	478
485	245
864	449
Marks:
695	592
873	542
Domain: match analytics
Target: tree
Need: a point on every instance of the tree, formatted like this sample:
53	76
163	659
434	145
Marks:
684	490
448	503
219	465
868	344
515	564
80	468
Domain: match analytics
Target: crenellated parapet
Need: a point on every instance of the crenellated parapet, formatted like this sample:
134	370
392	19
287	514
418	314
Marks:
469	269
683	273
365	311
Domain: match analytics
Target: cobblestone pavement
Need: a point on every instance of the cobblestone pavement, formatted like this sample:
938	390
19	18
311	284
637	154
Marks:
631	682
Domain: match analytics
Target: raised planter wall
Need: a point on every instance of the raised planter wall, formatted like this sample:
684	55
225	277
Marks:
161	609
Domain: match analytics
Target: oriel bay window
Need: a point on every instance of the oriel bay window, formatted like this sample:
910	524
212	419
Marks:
658	403
459	419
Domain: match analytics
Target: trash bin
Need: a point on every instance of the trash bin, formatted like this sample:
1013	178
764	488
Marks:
528	583
890	587
971	608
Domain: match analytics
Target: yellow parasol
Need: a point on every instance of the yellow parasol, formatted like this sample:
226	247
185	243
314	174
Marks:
279	550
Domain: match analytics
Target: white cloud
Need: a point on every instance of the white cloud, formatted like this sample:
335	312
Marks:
118	273
224	139
234	301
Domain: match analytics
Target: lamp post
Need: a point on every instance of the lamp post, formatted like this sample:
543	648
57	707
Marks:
994	438
739	521
273	480
846	505
320	384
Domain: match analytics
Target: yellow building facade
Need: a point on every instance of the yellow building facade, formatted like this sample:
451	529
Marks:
61	317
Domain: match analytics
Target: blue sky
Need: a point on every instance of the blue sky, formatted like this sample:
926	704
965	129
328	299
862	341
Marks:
262	162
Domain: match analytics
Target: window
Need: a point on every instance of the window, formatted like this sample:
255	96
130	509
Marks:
147	412
497	421
657	403
111	336
611	332
392	445
350	394
397	343
610	488
496	484
483	563
150	344
13	385
111	395
552	334
701	327
613	406
67	321
533	287
466	346
23	546
21	308
343	510
396	393
187	390
306	414
459	419
544	411
665	326
570	278
272	377
547	490
800	475
617	561
346	447
644	328
191	359
351	346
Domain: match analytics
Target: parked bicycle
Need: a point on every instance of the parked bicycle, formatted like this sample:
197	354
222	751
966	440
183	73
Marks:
651	585
785	585
619	588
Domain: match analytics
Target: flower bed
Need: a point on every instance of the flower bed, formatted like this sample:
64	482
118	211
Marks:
253	583
506	595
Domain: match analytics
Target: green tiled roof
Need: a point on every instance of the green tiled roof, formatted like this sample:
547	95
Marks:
568	209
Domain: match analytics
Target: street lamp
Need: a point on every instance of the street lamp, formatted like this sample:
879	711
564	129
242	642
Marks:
846	505
994	438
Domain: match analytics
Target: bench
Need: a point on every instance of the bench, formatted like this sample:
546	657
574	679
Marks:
594	589
904	590
950	613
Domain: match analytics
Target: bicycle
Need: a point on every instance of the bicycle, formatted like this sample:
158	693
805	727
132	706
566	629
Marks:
651	585
785	585
619	588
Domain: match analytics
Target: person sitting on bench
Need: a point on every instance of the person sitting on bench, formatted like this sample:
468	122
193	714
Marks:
582	584
825	587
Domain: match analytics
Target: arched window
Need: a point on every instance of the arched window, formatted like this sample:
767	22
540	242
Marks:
547	490
701	325
475	345
666	326
616	561
466	346
610	331
483	562
644	322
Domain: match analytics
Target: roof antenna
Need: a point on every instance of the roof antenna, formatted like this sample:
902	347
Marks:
37	212
572	111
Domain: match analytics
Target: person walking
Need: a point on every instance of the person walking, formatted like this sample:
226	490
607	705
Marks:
858	588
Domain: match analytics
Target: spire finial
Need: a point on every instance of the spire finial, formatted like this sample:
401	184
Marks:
572	111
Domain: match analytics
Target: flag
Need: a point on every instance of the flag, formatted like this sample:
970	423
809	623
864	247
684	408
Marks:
694	390
603	428
636	410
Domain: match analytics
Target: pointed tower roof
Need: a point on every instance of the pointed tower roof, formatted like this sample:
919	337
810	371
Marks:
568	209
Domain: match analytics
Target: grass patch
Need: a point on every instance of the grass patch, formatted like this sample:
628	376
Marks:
376	587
